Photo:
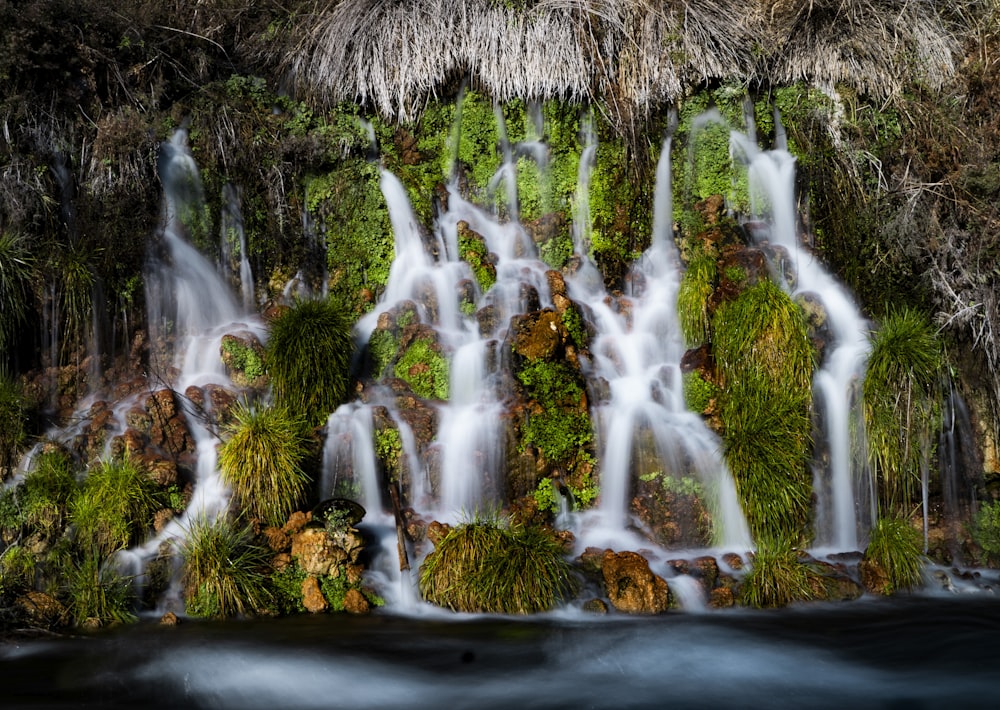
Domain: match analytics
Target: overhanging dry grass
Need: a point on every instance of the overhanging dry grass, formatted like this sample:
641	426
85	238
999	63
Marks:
634	53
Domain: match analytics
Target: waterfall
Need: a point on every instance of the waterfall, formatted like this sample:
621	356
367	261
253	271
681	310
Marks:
233	257
837	383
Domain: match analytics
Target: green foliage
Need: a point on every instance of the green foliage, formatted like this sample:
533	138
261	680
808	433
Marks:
575	326
765	361
619	209
262	460
489	565
286	585
245	359
17	570
895	547
382	347
563	427
545	496
335	588
473	250
902	405
985	528
17	270
45	493
425	369
698	392
225	571
389	449
696	286
97	592
308	359
115	506
777	577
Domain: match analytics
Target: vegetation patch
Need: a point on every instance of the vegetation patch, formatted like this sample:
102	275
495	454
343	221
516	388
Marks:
895	550
777	577
563	427
308	359
262	460
425	369
493	566
696	286
115	506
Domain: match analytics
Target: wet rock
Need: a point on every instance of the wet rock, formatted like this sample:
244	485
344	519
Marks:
712	209
162	518
733	560
355	602
721	598
315	552
296	521
549	226
169	430
488	318
873	577
277	539
350	541
42	609
312	596
169	619
631	585
538	335
436	532
243	355
706	569
596	606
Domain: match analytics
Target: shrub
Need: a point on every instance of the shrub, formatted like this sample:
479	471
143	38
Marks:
308	359
902	404
985	529
115	507
489	565
262	458
895	547
225	570
777	577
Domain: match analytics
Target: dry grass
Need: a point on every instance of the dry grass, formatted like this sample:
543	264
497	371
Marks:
629	55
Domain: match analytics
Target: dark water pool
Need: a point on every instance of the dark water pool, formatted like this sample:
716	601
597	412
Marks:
914	653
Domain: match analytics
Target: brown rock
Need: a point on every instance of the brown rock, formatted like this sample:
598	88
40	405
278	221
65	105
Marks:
596	606
312	596
632	586
733	560
296	521
162	518
721	598
539	334
277	539
315	552
355	602
436	532
169	619
43	609
281	561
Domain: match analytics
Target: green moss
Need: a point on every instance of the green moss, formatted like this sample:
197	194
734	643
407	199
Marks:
545	496
698	392
46	492
473	251
425	369
382	348
563	428
577	329
286	585
695	288
389	450
985	529
765	361
620	209
244	359
335	588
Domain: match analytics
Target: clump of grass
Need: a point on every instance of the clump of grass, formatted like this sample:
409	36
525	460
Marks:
225	570
12	420
777	577
17	271
895	547
692	298
17	570
490	565
308	358
765	361
45	494
96	591
262	461
902	404
115	506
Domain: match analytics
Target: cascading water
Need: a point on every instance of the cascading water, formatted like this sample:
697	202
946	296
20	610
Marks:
841	487
234	260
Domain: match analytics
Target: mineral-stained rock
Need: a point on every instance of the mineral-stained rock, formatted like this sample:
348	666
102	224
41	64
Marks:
733	560
874	577
539	334
43	609
631	585
312	596
277	539
721	598
315	552
355	602
169	619
436	532
296	521
596	606
350	541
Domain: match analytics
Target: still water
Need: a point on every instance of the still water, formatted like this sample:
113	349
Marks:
910	653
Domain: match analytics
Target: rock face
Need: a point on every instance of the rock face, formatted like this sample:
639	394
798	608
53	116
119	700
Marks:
312	597
631	585
318	553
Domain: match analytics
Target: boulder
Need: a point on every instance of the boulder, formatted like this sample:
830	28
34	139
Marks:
312	596
315	552
631	585
355	602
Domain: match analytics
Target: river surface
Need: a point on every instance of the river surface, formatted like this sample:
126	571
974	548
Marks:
904	653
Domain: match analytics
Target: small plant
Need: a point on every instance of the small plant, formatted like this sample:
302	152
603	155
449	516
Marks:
308	358
985	529
777	577
17	570
692	298
225	570
287	587
17	270
489	565
115	506
261	459
45	493
895	548
698	392
12	419
97	592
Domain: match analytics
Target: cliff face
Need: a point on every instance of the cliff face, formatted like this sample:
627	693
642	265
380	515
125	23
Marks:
898	155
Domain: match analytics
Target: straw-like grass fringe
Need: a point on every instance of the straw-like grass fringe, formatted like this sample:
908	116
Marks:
394	56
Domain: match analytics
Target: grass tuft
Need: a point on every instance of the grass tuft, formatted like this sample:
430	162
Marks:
309	354
262	460
115	506
895	547
692	298
777	577
490	565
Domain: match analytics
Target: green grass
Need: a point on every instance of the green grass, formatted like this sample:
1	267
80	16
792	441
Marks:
308	359
489	565
261	460
895	546
13	432
777	578
17	271
97	592
985	528
115	506
45	493
692	298
17	570
225	571
765	362
902	405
